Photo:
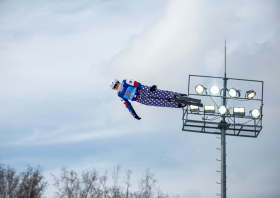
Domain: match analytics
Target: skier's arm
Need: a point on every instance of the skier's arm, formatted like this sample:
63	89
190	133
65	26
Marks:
130	108
133	83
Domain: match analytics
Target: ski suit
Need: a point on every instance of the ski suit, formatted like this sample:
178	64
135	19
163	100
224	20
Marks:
135	91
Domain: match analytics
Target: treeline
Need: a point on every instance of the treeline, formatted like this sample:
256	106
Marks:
31	183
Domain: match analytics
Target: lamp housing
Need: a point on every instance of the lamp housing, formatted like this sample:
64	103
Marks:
199	89
222	109
255	113
250	94
194	109
234	92
214	90
238	111
209	109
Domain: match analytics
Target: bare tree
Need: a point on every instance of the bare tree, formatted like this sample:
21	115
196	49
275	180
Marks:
32	183
160	194
127	182
89	185
116	174
103	183
68	184
29	184
9	182
116	191
2	180
146	184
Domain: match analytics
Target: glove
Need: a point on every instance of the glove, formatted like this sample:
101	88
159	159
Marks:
137	117
153	88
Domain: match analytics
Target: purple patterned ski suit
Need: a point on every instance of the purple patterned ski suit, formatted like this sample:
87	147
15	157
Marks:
156	98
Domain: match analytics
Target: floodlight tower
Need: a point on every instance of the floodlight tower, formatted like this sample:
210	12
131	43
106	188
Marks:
231	128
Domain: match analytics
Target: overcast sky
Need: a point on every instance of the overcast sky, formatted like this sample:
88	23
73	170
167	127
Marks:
57	109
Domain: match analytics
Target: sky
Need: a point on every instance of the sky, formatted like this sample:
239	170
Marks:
57	109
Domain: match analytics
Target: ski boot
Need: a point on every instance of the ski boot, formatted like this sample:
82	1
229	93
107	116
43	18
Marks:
181	105
177	96
171	99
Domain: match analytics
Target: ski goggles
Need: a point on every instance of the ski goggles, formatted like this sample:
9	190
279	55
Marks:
115	85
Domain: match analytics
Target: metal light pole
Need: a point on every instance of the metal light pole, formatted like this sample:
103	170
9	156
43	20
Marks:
223	142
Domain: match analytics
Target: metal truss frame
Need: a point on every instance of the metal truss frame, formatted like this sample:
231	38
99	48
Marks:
207	123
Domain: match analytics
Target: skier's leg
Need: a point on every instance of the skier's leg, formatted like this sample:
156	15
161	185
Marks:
145	88
158	93
145	91
156	102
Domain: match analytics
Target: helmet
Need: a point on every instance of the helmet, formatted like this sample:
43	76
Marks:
113	83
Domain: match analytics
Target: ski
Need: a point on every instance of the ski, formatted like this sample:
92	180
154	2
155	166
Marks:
188	103
184	100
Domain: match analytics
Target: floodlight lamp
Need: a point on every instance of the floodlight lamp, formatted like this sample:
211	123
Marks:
233	92
199	89
250	94
255	113
194	109
222	109
214	89
209	108
239	111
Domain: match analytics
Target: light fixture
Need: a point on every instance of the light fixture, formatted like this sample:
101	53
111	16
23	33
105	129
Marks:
234	92
255	113
222	109
239	111
214	89
250	94
209	108
194	109
199	89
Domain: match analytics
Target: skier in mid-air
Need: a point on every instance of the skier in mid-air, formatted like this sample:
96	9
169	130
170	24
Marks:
135	91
